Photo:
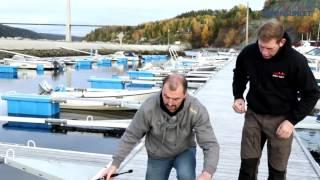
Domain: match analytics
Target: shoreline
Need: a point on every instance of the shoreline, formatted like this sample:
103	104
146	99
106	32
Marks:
24	44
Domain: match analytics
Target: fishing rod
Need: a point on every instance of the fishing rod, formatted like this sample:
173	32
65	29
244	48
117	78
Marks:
115	174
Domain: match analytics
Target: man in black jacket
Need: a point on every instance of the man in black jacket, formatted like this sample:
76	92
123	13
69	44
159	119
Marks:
282	92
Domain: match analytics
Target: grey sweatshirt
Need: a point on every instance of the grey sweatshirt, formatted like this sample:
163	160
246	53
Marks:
167	136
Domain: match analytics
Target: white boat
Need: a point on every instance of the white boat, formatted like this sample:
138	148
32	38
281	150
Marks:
189	79
317	76
309	122
163	73
98	99
185	64
305	47
197	63
131	56
33	63
99	105
313	54
25	61
104	93
206	56
103	100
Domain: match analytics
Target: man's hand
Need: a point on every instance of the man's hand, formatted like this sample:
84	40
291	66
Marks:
239	106
204	176
106	174
285	129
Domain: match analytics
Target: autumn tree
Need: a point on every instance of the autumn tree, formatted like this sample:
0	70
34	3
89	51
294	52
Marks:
205	36
136	36
230	37
196	33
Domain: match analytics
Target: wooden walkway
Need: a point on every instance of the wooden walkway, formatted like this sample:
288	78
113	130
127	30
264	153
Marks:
216	95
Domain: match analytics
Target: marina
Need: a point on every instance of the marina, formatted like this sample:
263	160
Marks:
70	83
216	95
96	127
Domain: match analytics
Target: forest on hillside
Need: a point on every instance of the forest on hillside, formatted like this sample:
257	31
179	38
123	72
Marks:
199	28
214	28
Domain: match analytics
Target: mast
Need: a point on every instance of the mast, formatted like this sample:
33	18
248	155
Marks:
68	22
318	33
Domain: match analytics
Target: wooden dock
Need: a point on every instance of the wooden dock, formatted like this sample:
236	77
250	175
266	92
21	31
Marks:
217	96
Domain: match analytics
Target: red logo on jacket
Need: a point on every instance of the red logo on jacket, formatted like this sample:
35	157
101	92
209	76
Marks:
280	75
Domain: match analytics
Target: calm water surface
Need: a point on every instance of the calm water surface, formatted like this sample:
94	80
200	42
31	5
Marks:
27	82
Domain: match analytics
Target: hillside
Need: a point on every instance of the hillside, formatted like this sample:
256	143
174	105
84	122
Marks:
219	28
8	31
277	8
204	28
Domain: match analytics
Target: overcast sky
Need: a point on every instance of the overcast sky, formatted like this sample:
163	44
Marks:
108	12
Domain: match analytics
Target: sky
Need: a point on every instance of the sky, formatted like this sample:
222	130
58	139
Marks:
105	12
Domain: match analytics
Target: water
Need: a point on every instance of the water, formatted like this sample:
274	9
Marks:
75	141
8	172
311	139
27	82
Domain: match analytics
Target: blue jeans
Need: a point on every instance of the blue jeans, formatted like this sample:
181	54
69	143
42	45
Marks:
184	163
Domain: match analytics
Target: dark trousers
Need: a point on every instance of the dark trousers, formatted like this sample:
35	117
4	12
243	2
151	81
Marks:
257	130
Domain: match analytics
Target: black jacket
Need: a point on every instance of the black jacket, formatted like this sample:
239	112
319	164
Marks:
282	85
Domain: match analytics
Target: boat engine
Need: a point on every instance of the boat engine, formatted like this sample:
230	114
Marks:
57	65
45	88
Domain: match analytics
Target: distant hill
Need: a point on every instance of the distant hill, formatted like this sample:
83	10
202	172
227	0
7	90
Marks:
58	37
8	31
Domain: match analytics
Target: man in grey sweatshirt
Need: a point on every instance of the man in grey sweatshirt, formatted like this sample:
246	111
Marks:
170	122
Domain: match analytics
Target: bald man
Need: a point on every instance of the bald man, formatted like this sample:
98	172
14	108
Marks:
170	122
